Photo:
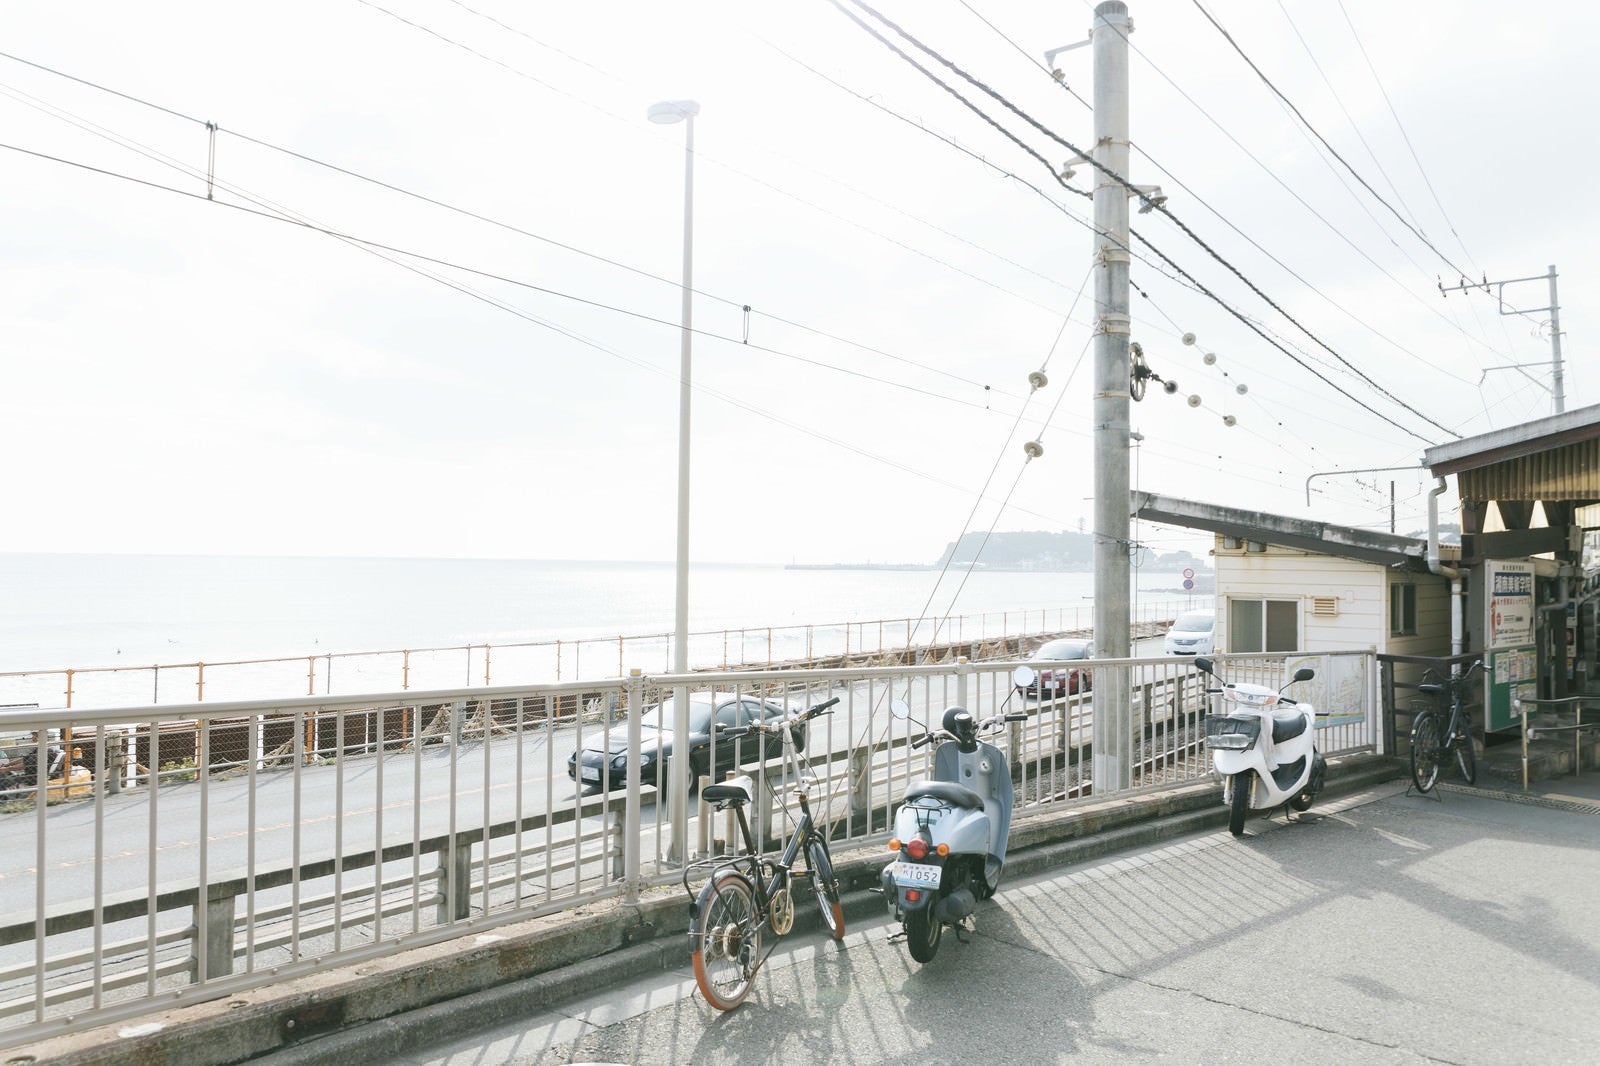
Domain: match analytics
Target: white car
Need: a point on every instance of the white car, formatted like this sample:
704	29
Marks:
1192	634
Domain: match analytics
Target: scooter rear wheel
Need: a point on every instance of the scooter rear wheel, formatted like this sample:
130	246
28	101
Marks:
1239	808
923	932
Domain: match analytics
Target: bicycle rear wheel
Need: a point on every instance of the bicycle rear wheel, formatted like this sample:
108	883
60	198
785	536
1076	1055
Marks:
1426	751
725	940
827	887
1466	757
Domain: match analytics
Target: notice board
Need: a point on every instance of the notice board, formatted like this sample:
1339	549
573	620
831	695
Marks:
1512	658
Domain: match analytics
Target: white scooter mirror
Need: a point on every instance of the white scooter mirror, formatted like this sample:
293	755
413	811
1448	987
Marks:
900	709
1023	676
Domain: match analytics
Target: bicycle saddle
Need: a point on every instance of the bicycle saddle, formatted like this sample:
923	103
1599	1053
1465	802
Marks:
736	792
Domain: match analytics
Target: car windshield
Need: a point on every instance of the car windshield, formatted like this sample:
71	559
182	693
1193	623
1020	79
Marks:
1063	649
661	717
1194	622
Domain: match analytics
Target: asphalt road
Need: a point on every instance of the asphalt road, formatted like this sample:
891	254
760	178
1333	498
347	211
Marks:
1384	928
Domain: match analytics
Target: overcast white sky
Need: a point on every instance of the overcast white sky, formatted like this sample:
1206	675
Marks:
182	376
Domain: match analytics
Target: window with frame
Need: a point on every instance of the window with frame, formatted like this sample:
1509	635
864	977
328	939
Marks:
1263	625
1403	610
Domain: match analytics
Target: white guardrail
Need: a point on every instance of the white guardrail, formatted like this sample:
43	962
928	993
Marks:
209	848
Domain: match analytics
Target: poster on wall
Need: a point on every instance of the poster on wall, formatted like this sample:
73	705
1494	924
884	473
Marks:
1510	604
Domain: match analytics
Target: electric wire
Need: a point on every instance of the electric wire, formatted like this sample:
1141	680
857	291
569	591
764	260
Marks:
1331	150
488	220
1294	194
1162	209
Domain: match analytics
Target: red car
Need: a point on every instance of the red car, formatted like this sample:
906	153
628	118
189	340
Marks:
1053	676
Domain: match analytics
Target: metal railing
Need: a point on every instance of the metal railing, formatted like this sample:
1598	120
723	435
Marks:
294	834
875	642
1531	732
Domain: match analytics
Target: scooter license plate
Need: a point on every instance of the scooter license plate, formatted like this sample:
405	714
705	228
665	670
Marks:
915	874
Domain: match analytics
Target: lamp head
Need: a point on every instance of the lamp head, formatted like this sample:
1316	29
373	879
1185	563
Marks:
670	111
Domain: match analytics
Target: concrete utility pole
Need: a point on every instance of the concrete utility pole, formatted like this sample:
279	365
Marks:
1112	725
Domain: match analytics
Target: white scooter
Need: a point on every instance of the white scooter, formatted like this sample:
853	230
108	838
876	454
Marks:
1264	747
950	832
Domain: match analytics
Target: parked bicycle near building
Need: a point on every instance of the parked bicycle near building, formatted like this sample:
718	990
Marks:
1434	736
747	902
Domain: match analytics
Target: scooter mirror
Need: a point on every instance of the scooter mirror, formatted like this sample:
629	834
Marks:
900	709
1305	673
1204	664
1023	676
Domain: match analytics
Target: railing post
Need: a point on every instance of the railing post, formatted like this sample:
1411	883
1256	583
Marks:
200	682
963	672
860	787
69	689
631	842
455	876
218	947
311	675
405	669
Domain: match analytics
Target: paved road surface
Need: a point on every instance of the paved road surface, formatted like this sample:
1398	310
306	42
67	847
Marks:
1389	929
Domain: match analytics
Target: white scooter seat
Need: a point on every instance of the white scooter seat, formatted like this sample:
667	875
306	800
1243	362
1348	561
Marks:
1287	727
946	792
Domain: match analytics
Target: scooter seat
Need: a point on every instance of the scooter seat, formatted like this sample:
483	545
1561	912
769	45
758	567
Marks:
1288	727
946	792
736	792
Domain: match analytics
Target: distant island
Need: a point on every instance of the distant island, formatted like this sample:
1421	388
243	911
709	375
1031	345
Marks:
1064	551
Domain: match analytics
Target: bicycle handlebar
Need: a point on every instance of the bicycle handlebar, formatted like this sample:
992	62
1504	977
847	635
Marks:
734	732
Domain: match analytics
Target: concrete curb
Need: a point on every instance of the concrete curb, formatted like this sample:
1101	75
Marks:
376	1010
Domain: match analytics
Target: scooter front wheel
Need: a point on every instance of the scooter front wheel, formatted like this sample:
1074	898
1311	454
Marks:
923	932
1239	808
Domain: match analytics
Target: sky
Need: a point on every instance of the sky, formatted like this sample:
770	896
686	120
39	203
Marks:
416	289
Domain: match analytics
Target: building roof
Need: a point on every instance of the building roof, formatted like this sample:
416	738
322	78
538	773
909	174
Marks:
1323	538
1555	459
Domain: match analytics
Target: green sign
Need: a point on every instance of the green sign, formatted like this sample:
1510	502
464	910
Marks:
1511	673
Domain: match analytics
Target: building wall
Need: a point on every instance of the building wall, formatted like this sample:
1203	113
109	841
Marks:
1358	592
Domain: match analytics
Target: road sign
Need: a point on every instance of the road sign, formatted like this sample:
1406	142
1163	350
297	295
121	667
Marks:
1188	572
1187	584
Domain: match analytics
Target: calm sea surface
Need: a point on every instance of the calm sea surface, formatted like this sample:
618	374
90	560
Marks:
94	611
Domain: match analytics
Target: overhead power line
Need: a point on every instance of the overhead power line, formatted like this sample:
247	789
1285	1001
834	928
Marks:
1121	180
1423	237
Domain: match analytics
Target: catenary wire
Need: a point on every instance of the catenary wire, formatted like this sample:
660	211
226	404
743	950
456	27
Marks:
1162	209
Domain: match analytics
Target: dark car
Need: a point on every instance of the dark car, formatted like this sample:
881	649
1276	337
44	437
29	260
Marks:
589	766
1053	677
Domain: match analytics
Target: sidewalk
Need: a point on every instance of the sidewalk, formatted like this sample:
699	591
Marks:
1386	927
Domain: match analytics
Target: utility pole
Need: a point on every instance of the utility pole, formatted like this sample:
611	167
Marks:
1557	383
1112	724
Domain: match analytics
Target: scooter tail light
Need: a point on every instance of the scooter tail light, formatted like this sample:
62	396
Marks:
943	850
912	895
917	849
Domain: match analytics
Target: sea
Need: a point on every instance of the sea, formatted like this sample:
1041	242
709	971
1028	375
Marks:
113	619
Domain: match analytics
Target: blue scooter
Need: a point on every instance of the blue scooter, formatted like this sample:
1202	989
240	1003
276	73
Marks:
950	832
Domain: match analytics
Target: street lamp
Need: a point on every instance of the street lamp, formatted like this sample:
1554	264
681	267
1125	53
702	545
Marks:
667	112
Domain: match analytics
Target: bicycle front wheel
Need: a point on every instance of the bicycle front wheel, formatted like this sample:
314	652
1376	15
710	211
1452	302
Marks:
827	887
1426	751
725	939
1466	757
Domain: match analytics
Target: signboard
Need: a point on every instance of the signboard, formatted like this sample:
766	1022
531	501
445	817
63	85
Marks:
1511	657
1512	675
1509	588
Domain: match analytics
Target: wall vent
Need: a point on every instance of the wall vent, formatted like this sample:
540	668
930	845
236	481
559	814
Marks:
1325	606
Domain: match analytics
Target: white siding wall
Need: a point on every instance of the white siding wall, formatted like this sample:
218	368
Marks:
1361	589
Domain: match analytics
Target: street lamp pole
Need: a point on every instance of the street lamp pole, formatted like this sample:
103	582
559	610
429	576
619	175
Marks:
666	112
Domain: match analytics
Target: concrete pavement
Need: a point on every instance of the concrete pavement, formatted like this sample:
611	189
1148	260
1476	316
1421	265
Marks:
1386	928
1457	928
